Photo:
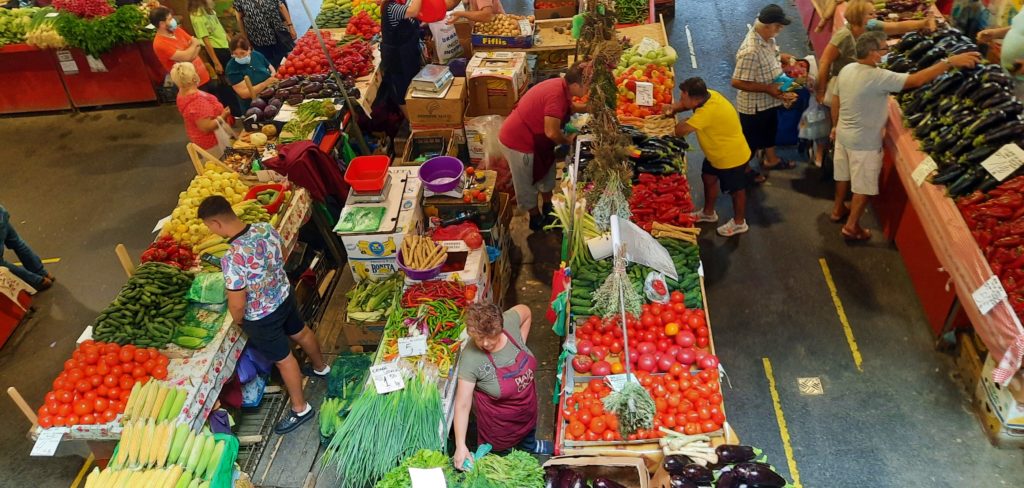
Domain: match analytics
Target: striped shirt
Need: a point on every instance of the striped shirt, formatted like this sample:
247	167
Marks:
396	13
757	61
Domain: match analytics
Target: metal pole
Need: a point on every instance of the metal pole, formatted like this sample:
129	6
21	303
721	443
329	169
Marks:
349	103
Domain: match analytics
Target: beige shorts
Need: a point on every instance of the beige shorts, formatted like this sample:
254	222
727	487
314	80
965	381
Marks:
860	168
521	167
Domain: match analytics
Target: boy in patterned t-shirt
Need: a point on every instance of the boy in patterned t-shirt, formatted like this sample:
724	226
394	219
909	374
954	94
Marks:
261	303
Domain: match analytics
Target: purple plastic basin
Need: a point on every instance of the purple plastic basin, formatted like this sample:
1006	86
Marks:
416	274
441	174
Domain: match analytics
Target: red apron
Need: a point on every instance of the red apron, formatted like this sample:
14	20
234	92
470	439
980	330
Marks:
504	421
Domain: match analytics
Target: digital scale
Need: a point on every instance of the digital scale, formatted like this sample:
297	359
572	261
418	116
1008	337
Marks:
356	198
433	79
390	198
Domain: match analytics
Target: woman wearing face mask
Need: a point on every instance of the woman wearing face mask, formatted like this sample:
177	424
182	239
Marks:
496	379
202	112
247	62
211	33
400	53
267	25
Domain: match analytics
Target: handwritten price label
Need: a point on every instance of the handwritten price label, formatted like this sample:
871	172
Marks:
617	381
386	378
412	346
47	442
647	45
1005	161
644	93
989	294
924	169
525	27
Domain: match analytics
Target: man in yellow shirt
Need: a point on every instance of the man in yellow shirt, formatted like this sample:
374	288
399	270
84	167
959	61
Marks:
726	152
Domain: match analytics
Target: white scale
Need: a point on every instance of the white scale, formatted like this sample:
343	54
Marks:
390	197
456	192
356	198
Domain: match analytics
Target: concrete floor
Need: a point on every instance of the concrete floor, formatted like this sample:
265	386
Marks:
77	185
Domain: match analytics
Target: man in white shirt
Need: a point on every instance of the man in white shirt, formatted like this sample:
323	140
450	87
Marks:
859	113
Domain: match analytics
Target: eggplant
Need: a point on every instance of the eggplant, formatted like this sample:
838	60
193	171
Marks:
945	84
282	93
969	86
989	183
606	483
919	50
908	41
945	139
986	90
931	57
728	479
267	93
697	473
551	476
675	463
735	453
949	174
1003	101
290	82
277	102
678	481
569	478
312	88
967	183
901	65
985	121
1012	129
295	100
318	78
759	475
963	48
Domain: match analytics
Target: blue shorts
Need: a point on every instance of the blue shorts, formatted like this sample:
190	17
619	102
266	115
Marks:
271	334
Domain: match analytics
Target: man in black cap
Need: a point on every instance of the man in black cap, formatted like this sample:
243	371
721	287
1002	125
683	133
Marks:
758	64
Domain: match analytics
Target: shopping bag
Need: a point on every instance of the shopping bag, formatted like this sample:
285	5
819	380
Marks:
225	137
446	41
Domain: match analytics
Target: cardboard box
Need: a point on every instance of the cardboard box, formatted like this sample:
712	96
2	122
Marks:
968	361
630	472
471	264
495	81
1004	405
554	9
998	434
516	42
362	335
475	139
438	112
438	142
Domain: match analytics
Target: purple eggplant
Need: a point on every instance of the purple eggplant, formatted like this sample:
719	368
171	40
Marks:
606	483
551	474
728	479
569	478
735	453
697	473
678	481
675	463
759	475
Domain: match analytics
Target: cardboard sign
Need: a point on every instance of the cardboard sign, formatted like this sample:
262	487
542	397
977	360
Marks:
412	346
644	93
48	441
525	28
1005	161
617	381
642	248
386	378
924	169
989	294
427	478
647	45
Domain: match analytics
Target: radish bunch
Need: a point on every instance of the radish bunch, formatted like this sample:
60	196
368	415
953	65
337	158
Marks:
84	8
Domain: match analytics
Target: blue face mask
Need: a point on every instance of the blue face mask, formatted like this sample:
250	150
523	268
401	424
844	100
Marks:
172	24
874	24
244	59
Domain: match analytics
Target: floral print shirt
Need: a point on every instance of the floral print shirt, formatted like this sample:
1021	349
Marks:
255	264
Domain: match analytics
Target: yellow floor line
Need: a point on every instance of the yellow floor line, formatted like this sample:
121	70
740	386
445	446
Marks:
783	430
82	472
45	261
857	360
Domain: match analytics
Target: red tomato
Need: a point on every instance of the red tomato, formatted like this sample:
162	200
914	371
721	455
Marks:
110	381
50	397
161	360
708	426
114	393
73	420
100	405
615	347
64	410
109	416
90	395
59	383
82	407
45	421
598	426
718	418
141	356
590	436
656	309
596	410
677	297
584	416
678	308
75	375
153	353
91	357
127	354
703	341
137	372
110	347
112	360
88	419
70	364
702	332
119	405
667	316
83	386
609	435
116	370
90	371
65	396
95	381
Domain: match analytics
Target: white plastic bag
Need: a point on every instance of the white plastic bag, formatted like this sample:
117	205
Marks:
225	137
446	41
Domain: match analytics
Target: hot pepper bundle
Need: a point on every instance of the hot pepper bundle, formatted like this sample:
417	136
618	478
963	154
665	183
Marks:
428	291
996	221
664	198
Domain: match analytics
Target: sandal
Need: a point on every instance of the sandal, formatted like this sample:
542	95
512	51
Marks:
839	218
782	164
861	235
731	228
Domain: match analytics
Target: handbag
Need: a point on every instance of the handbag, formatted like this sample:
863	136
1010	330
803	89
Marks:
284	40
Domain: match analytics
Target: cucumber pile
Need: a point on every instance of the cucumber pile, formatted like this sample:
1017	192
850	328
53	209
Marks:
147	310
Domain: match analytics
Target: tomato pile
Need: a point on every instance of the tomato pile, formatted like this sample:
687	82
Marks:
687	403
353	60
587	419
626	82
86	9
361	24
167	250
97	381
661	198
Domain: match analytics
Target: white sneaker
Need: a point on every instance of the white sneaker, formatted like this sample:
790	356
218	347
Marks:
731	228
699	216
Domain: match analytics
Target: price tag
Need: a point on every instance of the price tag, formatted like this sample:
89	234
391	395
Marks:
924	169
644	93
618	380
67	62
525	28
150	27
412	346
160	224
1004	161
700	269
647	45
51	15
47	442
989	294
427	478
386	378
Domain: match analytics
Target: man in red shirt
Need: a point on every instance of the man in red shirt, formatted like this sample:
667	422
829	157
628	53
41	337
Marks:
173	45
531	132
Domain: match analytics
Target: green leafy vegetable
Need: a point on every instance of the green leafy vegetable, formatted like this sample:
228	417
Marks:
101	34
516	470
424	459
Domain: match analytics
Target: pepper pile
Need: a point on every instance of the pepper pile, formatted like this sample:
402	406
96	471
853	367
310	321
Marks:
167	250
353	59
664	199
626	82
428	291
362	25
996	221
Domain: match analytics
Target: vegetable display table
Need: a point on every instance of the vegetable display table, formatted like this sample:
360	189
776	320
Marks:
126	79
31	80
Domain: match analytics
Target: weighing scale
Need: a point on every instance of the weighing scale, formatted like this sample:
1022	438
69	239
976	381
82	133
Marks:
356	198
389	197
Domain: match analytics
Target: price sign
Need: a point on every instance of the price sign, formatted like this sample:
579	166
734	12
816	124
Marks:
47	442
67	63
525	27
989	294
700	269
618	380
51	15
427	478
924	169
1004	161
647	45
386	378
412	346
644	93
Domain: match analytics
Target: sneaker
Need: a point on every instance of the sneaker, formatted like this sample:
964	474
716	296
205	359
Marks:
293	420
700	216
731	228
307	369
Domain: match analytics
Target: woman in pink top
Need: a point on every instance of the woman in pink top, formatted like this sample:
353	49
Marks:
200	110
478	11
